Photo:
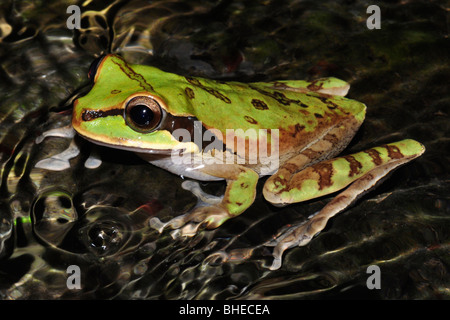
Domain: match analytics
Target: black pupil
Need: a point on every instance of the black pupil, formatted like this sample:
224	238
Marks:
141	115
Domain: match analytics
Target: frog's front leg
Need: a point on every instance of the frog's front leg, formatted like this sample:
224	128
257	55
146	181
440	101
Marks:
239	195
361	171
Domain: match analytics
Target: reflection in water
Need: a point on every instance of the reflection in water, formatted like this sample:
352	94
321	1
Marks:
53	216
99	218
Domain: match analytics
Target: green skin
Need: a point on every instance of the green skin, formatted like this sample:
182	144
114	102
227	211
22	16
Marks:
314	120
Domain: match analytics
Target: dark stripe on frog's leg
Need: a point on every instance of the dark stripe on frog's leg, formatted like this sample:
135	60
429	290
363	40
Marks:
301	235
375	155
328	146
335	174
393	151
325	172
355	165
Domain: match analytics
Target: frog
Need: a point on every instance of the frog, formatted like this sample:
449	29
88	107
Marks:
304	124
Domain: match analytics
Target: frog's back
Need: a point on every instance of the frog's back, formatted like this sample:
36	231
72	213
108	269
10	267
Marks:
300	110
295	104
265	106
299	115
258	105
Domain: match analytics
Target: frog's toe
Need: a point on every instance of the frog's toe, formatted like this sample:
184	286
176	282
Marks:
208	217
188	230
203	198
93	162
175	223
299	235
53	164
60	161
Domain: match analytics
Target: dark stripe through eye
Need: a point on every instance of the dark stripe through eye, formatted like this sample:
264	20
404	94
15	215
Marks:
89	115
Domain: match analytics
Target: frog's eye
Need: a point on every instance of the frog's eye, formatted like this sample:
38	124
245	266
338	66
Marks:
143	114
94	67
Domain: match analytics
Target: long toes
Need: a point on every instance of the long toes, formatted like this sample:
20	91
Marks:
189	223
203	198
293	236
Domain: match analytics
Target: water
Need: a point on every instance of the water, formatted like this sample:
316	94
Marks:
99	219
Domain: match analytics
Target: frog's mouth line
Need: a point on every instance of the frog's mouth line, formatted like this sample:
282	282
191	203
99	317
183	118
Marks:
166	152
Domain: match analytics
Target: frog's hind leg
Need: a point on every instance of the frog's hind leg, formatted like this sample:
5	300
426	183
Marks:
331	143
361	171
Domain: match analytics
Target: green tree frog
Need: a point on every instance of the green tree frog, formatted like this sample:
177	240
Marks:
304	124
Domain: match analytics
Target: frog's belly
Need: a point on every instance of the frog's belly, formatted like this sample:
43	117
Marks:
186	169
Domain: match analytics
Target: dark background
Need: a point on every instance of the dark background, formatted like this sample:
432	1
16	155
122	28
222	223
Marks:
98	219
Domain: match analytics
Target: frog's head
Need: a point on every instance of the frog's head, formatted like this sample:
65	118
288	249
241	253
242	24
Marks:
124	111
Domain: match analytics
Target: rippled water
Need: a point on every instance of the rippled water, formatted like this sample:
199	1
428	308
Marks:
99	219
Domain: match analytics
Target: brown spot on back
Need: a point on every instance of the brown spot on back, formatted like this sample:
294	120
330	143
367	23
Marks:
211	91
259	105
190	93
250	120
355	165
375	155
330	104
317	115
115	91
278	96
297	129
